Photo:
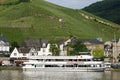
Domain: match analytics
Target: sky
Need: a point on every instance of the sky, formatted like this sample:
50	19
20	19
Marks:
74	4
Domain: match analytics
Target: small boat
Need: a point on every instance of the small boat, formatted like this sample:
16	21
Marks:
63	63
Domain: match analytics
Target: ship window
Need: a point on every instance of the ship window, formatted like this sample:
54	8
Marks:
83	59
70	59
39	65
81	65
75	59
68	65
88	60
58	59
51	66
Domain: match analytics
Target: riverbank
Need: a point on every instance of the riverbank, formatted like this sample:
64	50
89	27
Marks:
115	70
10	68
111	69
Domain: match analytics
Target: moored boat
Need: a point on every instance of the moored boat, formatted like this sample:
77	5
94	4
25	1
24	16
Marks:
63	63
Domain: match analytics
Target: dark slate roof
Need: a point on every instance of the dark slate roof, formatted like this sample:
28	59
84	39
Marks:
35	43
23	50
93	41
62	41
74	40
116	40
42	41
31	43
2	38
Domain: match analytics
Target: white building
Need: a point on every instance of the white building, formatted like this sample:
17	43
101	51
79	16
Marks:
62	46
4	45
18	55
45	50
42	50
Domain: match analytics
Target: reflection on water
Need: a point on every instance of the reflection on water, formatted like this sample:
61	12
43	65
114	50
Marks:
62	75
11	75
32	75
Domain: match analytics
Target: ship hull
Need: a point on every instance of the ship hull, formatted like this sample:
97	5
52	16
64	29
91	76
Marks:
77	69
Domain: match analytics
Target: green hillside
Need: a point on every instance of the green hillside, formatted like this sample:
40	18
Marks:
108	9
21	19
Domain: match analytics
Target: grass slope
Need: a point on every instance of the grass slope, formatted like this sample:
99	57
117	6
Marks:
40	19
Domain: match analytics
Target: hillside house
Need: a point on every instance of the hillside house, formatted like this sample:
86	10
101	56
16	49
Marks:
89	43
93	43
31	47
32	43
4	45
112	49
116	49
19	55
108	48
42	46
63	46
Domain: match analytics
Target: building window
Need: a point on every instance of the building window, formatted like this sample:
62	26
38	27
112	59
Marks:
24	54
44	45
43	49
32	54
15	54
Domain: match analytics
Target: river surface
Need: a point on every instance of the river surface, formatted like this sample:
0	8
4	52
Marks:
32	75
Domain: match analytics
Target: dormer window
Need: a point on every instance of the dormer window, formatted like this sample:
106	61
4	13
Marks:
44	45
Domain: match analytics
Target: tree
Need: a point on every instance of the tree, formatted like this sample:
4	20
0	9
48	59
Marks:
78	47
13	45
54	49
118	57
98	53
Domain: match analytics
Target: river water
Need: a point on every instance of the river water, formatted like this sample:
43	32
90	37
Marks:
32	75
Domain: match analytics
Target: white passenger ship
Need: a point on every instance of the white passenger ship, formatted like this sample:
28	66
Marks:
80	62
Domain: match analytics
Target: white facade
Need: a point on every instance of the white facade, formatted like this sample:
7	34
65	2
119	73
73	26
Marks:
4	47
108	48
63	50
45	51
16	54
116	50
32	52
